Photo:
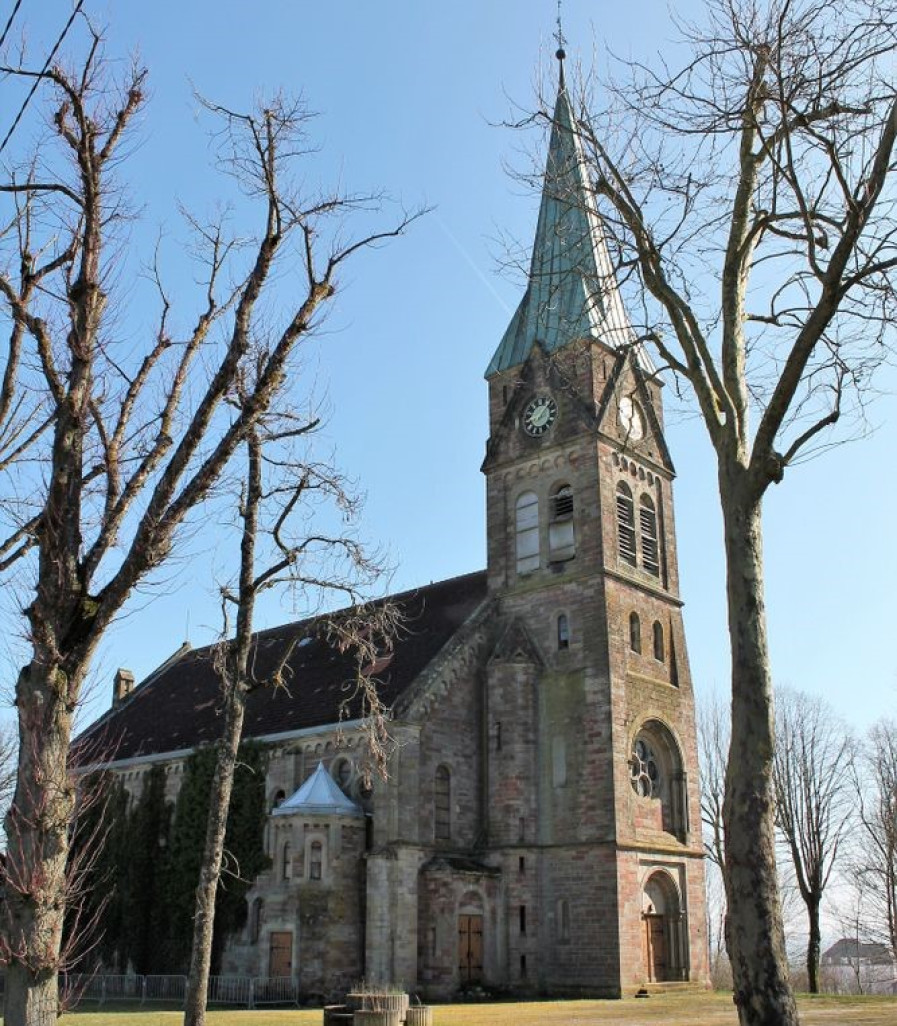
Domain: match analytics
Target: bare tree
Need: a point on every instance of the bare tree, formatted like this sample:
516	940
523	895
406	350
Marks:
875	853
7	765
747	196
123	439
274	554
713	744
813	776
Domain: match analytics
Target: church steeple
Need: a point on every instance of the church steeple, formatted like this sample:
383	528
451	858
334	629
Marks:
572	292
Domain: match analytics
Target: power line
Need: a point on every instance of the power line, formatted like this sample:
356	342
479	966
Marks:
15	11
43	72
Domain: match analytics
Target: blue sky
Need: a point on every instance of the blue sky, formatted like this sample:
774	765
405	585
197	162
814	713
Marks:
411	99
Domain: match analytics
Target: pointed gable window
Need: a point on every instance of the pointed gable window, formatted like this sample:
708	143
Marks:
626	524
648	527
561	540
527	533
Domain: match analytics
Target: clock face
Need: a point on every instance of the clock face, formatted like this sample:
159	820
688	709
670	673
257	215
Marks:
632	419
540	413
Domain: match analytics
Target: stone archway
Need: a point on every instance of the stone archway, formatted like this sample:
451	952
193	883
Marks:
664	939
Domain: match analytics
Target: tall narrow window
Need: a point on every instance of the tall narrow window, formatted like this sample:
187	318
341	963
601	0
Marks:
563	631
563	920
561	539
315	860
527	533
287	862
442	804
648	525
635	633
659	652
626	524
523	918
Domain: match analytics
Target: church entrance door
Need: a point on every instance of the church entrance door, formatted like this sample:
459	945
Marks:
656	940
470	948
280	954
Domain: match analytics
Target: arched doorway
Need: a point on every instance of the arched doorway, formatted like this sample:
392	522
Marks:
470	939
664	944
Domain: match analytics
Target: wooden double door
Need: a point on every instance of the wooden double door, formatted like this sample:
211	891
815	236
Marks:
470	949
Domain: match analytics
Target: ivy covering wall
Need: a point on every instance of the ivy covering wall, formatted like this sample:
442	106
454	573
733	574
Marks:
134	870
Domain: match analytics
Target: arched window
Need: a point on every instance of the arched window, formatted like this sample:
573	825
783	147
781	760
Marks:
635	633
315	860
626	524
278	798
442	804
561	538
659	652
655	769
563	632
286	865
342	774
648	526
527	533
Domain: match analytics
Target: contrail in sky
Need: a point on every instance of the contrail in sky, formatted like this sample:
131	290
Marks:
473	265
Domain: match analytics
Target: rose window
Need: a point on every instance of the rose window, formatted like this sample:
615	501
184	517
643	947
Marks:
644	770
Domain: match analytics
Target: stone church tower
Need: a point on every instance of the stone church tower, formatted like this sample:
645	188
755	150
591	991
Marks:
592	777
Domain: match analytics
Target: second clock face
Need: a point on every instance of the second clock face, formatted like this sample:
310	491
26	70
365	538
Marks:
631	419
540	413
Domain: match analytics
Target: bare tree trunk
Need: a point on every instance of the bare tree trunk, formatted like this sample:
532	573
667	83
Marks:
814	945
754	934
37	849
213	853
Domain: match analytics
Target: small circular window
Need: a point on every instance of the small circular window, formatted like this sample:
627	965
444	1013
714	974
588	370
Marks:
644	769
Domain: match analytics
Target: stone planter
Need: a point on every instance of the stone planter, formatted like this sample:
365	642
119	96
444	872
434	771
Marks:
370	1001
368	1017
419	1015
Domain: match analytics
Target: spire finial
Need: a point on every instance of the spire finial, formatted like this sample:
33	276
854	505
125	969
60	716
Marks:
561	52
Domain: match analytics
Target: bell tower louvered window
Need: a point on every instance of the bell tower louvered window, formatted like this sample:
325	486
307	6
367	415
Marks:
648	528
626	524
561	538
527	533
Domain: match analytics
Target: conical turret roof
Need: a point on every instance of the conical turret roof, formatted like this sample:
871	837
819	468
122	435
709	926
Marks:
320	795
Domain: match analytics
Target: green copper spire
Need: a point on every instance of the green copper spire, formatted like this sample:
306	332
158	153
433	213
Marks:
572	292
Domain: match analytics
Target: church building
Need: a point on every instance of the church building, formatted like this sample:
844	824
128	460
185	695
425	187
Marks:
539	830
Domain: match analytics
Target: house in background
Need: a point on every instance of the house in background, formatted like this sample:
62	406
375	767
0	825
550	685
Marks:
540	827
851	966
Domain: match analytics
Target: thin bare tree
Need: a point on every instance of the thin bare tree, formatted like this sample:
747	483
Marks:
747	196
7	765
874	855
111	435
815	800
713	744
283	546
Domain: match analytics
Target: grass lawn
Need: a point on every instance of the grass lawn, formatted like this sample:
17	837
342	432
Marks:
658	1010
